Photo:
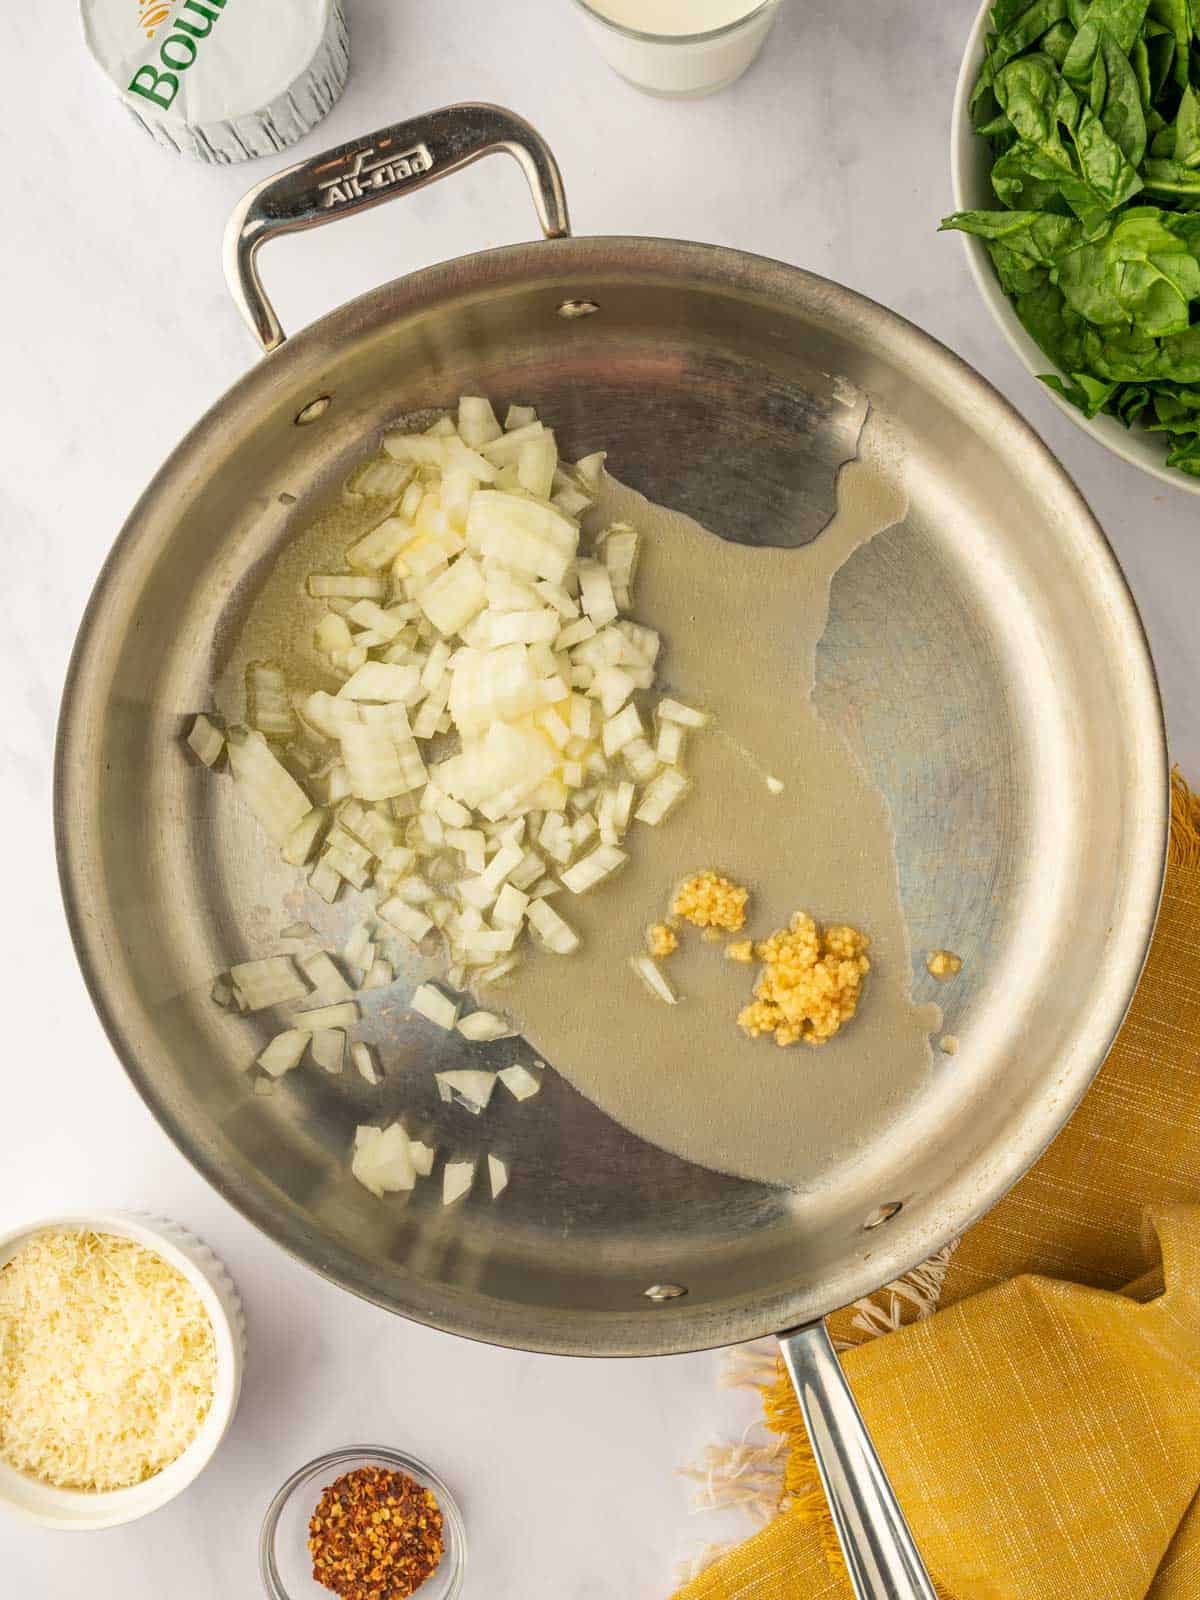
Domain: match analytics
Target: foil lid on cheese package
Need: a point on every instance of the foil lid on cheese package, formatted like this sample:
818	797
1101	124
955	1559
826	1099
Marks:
222	80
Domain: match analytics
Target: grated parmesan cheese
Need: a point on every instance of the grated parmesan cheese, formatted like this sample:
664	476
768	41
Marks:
107	1361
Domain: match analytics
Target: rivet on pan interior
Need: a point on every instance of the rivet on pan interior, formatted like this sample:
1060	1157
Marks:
665	1291
883	1214
314	409
577	308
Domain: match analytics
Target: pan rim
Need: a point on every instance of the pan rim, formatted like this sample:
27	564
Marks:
672	1328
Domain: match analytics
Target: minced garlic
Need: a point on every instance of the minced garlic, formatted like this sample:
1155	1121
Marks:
709	901
943	963
663	941
810	982
107	1361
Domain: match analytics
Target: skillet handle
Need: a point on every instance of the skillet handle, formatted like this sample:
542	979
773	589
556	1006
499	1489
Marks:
883	1561
366	172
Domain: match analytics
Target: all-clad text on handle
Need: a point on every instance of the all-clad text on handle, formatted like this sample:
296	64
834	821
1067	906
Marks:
366	172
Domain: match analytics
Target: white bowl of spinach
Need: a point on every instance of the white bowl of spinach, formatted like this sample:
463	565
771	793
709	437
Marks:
1076	165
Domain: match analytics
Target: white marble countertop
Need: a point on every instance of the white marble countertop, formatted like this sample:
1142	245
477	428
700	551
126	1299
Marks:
117	334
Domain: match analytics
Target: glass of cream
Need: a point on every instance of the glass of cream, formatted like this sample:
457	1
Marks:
679	48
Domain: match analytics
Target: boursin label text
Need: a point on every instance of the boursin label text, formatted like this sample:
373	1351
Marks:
181	37
373	171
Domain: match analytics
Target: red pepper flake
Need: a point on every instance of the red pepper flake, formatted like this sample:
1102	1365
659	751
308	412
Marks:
375	1535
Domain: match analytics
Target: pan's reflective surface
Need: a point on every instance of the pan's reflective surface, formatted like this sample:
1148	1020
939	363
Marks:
984	658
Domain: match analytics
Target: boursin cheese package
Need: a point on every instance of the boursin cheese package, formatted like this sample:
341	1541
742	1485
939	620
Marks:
221	80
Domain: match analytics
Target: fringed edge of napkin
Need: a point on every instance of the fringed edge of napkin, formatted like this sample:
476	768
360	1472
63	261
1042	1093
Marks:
1184	850
779	1475
761	1477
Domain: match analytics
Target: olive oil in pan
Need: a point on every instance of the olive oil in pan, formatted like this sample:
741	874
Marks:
740	628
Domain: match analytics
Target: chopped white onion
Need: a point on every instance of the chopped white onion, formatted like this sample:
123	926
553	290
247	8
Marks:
470	1088
429	1002
669	745
423	1156
527	537
284	1052
612	686
382	1160
304	838
654	978
519	1081
557	936
483	1026
383	682
662	794
590	470
325	881
596	593
621	729
329	1049
342	1015
405	919
206	740
358	945
345	587
497	1176
452	599
272	981
669	710
603	861
268	705
466	610
640	759
477	423
382	480
265	784
364	1059
327	982
510	907
457	1178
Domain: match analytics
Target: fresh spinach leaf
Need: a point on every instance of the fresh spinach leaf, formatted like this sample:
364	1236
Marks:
1184	455
1170	180
1160	57
1139	60
1092	113
1082	390
1037	235
1056	41
1051	323
1131	401
1187	129
1176	17
1155	276
1121	110
1026	30
1118	20
1015	186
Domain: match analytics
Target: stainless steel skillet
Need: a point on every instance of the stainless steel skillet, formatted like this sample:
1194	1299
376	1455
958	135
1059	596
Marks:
985	660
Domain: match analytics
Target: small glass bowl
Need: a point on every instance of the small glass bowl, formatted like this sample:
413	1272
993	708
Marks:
283	1554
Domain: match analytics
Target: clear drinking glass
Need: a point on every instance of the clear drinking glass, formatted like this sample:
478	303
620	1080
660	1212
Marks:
681	65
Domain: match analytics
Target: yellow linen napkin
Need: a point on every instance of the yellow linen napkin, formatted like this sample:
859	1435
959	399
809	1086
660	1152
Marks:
1042	1430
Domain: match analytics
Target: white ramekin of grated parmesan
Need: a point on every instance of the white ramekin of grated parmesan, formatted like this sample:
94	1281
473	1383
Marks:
122	1346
